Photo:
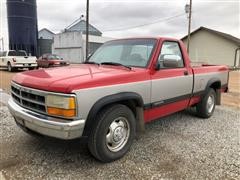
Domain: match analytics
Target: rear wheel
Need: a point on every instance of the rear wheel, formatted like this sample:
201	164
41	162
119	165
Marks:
206	107
9	67
113	133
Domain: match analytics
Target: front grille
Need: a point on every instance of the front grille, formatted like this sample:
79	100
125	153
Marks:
28	98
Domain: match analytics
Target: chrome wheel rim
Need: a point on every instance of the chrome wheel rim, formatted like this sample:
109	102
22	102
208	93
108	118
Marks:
210	103
118	134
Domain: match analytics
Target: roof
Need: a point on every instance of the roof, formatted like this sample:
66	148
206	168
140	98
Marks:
224	35
45	29
81	26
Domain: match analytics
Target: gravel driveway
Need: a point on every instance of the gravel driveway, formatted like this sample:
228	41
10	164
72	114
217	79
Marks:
180	146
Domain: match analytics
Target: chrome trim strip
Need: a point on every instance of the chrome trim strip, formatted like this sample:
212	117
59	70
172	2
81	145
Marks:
40	92
29	108
26	99
16	94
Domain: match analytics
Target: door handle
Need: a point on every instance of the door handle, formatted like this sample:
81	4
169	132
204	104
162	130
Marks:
185	73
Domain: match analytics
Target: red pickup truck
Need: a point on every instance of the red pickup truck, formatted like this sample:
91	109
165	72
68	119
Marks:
108	99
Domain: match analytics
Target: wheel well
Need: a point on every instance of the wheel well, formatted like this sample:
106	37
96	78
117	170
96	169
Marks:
216	85
130	103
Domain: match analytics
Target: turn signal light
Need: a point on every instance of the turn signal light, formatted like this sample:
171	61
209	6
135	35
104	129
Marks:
61	112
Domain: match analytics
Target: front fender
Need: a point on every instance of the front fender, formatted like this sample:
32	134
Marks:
107	100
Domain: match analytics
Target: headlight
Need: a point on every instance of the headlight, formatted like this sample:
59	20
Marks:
61	106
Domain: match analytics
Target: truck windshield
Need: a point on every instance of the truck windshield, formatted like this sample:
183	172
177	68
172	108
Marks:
128	52
17	53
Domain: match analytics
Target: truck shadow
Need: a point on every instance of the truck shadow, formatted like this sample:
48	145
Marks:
14	71
76	151
152	149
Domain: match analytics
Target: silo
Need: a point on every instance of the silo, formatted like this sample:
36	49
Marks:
22	25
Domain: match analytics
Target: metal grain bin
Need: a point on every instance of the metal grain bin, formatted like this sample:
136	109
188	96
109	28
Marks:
22	25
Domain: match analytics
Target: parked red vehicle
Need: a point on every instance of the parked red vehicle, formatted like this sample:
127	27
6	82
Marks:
108	99
51	60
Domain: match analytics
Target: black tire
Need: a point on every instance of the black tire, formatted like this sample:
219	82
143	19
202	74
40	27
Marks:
204	110
9	67
32	68
97	142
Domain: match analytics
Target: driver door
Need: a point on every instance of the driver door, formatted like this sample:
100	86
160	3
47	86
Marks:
171	84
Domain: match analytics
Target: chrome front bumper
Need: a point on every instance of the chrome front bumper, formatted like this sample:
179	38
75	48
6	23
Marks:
45	125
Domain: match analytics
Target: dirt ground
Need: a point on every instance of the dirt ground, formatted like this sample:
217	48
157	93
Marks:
5	79
232	98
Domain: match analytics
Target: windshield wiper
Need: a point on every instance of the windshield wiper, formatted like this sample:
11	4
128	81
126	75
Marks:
116	64
91	62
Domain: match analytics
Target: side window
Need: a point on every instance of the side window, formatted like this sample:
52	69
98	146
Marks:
45	57
172	49
4	53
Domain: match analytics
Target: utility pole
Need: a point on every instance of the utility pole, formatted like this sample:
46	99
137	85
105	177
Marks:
188	10
2	39
87	28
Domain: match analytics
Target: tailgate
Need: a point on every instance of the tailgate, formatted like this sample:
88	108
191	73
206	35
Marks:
25	60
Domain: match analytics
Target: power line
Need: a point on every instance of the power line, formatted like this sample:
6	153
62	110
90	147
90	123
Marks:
146	24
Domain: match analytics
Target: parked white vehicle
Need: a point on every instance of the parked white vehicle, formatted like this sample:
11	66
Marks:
17	59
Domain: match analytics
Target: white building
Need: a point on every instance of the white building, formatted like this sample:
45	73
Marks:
45	34
45	41
71	43
214	47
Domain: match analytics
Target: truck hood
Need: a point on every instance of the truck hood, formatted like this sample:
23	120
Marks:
69	78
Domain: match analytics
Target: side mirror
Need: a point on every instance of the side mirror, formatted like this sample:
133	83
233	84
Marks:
172	61
157	67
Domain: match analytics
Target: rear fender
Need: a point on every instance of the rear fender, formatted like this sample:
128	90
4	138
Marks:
215	84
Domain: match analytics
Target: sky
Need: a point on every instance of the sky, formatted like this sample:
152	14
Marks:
115	17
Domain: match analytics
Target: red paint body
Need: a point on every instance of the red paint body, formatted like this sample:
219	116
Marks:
68	79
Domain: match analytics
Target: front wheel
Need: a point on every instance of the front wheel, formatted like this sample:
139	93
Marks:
31	68
9	67
206	106
113	133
